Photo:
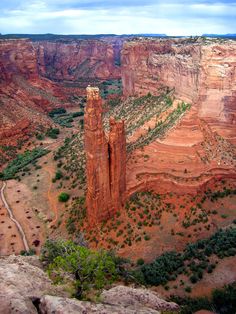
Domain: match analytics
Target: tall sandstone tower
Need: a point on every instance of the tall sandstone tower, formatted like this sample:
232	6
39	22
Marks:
105	161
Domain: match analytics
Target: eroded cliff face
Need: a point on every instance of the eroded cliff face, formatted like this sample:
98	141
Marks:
105	161
17	57
202	73
23	97
77	60
28	75
199	147
216	100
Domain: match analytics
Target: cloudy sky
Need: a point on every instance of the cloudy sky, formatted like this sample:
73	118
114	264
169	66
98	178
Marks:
184	17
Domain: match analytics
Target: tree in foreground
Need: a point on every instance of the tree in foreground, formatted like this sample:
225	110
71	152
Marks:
86	269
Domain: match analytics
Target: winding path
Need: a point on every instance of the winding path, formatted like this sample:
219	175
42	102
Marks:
18	225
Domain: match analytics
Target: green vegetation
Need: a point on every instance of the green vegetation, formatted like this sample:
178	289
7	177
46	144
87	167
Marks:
64	119
137	111
77	215
111	87
8	151
78	265
161	127
21	161
63	197
71	162
222	301
28	253
56	111
58	176
193	261
53	133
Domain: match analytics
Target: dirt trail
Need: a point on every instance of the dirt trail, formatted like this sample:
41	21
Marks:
18	225
51	198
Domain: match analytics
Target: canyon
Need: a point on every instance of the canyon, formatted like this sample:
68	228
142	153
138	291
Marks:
31	75
147	159
201	72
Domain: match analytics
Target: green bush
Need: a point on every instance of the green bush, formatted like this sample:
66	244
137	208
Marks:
57	111
140	261
86	269
53	133
63	197
21	161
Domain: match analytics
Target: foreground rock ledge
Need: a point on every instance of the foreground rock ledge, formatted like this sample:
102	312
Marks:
26	289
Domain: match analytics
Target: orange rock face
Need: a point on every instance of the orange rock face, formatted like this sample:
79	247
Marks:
105	161
201	73
28	80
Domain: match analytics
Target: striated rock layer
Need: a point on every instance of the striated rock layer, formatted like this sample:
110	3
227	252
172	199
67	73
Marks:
202	73
105	161
199	147
24	95
78	59
28	75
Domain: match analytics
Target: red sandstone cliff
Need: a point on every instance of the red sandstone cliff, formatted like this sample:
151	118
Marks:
105	161
25	92
77	60
24	95
202	73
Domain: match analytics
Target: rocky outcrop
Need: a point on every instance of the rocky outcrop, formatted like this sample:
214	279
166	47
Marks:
25	288
105	161
22	281
137	298
98	199
57	305
118	300
77	60
202	73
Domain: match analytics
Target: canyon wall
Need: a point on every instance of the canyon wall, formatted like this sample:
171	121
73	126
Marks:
17	57
32	76
202	73
23	99
105	161
77	60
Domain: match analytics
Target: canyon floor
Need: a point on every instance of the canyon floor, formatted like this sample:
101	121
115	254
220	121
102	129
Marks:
179	210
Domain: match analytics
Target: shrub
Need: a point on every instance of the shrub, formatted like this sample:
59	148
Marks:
63	197
140	261
86	268
188	289
53	133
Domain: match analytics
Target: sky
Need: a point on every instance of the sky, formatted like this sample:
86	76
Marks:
171	17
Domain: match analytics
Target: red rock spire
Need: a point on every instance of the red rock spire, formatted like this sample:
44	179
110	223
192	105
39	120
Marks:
105	161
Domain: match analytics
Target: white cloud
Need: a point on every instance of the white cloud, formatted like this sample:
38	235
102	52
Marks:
171	17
